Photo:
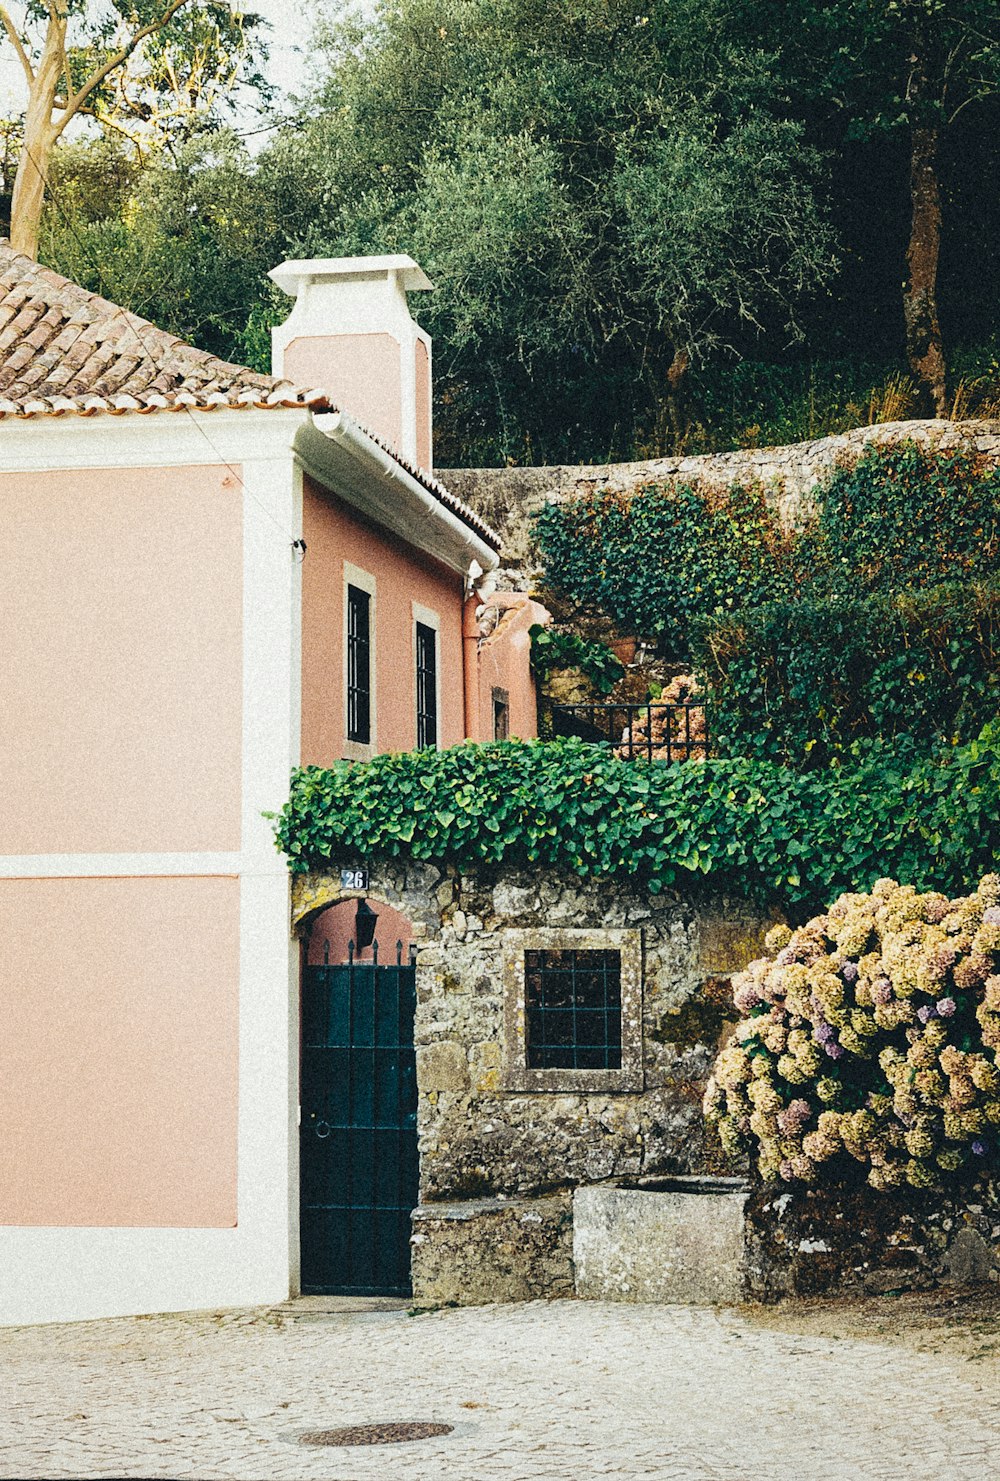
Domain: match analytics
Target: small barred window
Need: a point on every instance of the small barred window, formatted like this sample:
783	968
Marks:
573	1010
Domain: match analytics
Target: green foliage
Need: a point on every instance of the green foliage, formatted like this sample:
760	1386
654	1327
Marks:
553	649
594	192
746	825
880	619
904	517
184	241
806	680
658	560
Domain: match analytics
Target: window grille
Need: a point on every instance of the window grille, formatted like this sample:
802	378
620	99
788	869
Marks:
573	1010
426	687
359	722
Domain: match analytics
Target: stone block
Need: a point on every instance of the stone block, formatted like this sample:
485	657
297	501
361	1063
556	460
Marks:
442	1066
514	900
484	1250
681	1242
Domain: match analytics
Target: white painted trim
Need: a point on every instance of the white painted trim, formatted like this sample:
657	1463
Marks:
360	470
269	979
431	619
74	1274
161	439
364	581
116	866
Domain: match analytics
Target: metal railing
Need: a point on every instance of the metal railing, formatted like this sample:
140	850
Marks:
655	732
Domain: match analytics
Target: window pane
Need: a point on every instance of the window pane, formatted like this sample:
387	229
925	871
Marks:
359	726
573	1009
426	687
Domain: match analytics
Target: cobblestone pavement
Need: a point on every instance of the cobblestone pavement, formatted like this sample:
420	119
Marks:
566	1391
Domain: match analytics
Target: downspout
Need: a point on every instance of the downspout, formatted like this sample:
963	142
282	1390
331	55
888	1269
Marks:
470	666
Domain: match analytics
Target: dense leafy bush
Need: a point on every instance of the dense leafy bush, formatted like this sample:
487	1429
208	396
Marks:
872	1034
877	620
657	560
807	679
750	826
551	648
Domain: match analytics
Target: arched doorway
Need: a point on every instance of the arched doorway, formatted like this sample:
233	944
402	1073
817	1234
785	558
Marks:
359	1168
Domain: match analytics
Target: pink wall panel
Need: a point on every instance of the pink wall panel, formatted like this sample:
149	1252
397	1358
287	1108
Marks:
121	670
333	534
505	663
361	372
118	1052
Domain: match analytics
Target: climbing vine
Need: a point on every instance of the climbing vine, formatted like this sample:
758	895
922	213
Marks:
878	619
763	830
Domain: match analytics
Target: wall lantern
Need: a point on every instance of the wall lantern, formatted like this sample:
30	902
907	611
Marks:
364	925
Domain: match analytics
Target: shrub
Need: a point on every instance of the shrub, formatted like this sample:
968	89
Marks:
872	1036
803	681
758	829
551	648
877	620
662	558
656	560
904	518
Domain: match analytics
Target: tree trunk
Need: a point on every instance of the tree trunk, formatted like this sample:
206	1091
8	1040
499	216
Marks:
675	375
924	93
40	134
924	347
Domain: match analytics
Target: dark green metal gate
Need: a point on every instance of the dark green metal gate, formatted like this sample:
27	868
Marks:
358	1139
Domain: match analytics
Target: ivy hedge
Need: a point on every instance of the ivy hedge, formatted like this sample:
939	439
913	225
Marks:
658	560
764	831
878	619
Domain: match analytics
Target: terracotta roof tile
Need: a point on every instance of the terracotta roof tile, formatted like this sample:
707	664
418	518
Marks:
66	350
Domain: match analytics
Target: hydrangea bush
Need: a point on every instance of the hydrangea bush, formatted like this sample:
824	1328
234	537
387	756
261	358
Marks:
871	1036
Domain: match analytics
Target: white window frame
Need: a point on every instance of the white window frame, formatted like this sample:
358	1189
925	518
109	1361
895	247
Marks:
431	619
364	581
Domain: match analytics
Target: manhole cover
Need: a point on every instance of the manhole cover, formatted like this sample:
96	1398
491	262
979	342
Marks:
375	1434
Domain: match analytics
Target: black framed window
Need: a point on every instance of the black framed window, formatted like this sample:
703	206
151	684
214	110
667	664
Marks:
573	1010
427	687
359	675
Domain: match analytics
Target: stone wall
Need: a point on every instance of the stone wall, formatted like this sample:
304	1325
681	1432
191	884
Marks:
816	1241
480	1141
507	497
503	1172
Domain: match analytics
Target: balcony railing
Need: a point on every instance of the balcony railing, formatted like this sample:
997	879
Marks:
654	732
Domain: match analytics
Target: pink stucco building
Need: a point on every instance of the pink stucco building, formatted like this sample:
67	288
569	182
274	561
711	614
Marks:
207	576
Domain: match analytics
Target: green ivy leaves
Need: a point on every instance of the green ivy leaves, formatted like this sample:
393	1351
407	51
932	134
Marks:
762	830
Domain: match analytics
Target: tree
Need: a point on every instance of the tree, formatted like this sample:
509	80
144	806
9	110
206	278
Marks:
184	238
580	179
884	67
138	66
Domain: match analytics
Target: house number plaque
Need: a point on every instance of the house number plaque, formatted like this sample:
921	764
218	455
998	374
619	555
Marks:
354	879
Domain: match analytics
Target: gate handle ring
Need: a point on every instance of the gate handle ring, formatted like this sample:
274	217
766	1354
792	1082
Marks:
322	1134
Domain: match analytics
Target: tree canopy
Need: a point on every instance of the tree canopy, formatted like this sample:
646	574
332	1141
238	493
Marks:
146	69
650	226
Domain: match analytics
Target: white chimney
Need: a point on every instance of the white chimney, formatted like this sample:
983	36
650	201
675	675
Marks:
351	334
